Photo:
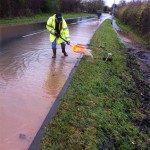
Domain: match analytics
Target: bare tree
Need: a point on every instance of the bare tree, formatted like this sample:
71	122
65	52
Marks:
70	5
122	3
92	5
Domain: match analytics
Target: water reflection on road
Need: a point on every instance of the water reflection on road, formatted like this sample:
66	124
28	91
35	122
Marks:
30	81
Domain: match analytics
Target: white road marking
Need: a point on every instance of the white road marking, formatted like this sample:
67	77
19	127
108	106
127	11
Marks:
33	34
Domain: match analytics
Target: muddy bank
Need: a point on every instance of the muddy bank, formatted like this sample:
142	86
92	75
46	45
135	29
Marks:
138	60
143	93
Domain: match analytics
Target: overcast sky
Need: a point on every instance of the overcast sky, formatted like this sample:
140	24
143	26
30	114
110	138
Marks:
110	2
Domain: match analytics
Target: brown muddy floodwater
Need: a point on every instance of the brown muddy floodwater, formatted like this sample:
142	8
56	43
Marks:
30	81
141	53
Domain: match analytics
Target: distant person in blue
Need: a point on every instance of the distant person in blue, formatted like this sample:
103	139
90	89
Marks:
99	13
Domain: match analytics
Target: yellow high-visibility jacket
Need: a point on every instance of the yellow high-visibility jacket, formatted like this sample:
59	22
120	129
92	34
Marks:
64	31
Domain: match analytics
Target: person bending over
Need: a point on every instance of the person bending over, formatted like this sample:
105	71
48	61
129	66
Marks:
58	28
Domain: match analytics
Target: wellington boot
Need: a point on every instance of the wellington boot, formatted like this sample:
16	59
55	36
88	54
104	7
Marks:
63	51
54	56
54	53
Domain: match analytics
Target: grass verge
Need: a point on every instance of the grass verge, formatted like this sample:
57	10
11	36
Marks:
38	18
97	110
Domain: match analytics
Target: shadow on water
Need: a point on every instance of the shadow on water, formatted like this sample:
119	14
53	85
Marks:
56	77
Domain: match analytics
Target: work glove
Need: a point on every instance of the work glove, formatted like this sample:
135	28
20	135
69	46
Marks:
68	42
56	34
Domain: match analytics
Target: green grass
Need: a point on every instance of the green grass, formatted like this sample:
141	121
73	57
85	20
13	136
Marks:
133	34
38	18
97	108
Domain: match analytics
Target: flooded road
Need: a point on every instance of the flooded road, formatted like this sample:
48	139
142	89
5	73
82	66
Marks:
30	81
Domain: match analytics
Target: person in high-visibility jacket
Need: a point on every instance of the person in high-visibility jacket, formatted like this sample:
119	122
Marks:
58	28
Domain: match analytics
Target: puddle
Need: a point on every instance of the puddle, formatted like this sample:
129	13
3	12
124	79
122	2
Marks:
125	37
136	49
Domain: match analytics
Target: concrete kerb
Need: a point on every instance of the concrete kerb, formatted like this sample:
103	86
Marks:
36	142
